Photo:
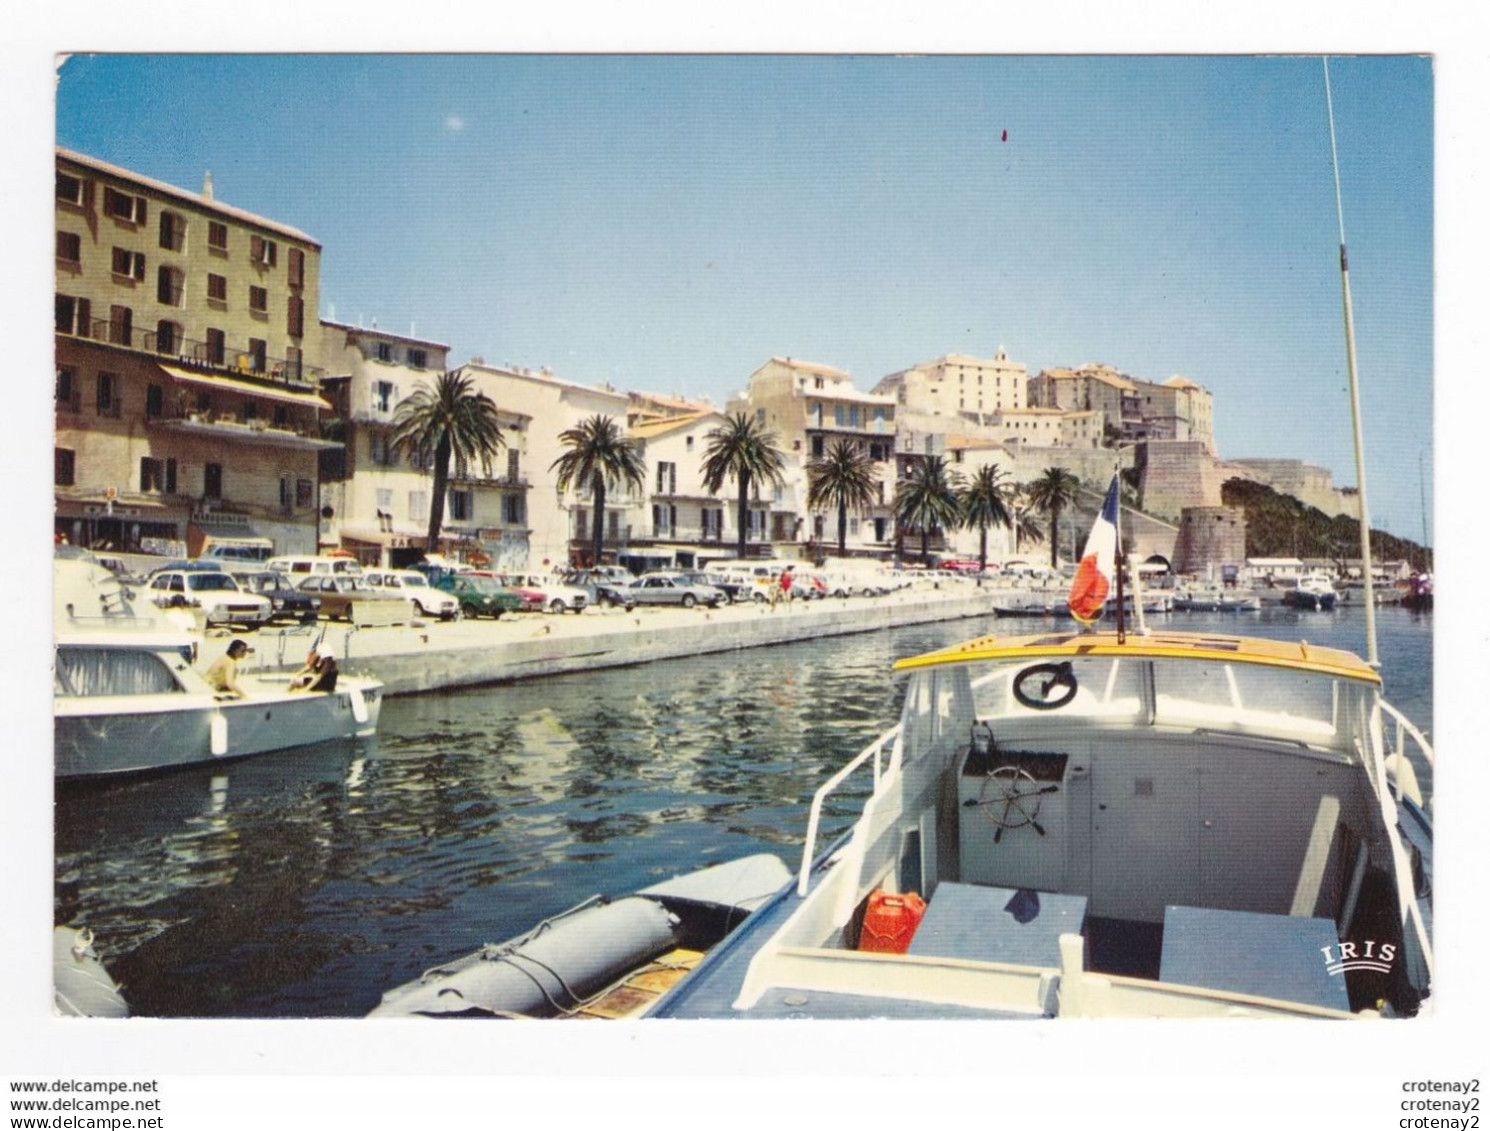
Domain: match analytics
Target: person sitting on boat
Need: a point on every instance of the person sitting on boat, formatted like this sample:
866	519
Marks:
222	673
307	674
324	678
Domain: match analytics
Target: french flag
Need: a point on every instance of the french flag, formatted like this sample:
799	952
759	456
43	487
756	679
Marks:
1094	574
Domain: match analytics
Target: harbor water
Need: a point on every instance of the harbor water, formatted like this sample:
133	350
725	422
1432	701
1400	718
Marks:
303	884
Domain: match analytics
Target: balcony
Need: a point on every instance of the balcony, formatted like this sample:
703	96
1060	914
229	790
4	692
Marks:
204	356
474	479
218	426
692	534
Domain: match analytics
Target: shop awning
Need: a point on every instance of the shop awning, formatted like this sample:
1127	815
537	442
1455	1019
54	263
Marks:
246	388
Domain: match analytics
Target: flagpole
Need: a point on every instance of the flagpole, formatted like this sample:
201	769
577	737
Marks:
1117	554
1355	392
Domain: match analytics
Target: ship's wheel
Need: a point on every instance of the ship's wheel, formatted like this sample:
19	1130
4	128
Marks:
1045	687
1010	798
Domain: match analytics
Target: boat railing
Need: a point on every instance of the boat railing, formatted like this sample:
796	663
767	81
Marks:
1397	740
874	750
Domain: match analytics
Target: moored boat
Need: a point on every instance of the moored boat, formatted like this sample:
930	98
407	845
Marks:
1313	591
127	697
1214	600
599	959
1103	825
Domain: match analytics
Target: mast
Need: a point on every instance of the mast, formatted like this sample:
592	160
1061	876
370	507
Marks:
1355	393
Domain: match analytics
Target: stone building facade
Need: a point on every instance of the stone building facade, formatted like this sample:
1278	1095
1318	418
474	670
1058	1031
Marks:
187	409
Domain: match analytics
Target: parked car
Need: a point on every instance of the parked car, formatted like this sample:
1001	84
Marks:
414	586
557	597
845	584
339	593
305	565
734	588
191	565
674	589
211	590
289	602
478	596
530	600
607	592
240	552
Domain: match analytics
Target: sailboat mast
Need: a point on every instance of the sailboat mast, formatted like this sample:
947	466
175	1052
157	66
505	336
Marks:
1355	394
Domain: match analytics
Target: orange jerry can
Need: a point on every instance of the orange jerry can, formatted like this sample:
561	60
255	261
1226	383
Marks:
890	921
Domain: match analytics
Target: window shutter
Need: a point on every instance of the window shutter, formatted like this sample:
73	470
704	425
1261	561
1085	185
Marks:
297	267
296	316
85	318
170	477
140	210
139	266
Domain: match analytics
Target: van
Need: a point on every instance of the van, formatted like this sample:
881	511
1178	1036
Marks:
307	565
253	551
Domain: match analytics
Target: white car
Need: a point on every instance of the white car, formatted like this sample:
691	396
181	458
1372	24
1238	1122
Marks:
414	586
557	597
213	591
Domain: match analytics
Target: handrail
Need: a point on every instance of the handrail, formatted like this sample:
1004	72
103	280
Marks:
1405	726
815	813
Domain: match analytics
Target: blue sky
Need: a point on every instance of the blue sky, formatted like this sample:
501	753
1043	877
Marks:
669	222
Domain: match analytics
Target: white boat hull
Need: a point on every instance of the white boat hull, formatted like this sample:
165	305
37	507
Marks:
130	734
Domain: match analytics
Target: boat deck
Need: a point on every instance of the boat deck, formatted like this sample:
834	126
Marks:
631	997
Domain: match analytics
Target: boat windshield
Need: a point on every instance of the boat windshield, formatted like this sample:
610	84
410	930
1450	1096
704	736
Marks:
87	672
1215	694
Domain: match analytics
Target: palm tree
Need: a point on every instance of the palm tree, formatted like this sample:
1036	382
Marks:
985	503
1025	528
927	498
599	456
743	450
1053	492
432	425
843	478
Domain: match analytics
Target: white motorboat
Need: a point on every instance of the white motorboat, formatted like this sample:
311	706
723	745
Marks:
127	698
1101	825
1313	591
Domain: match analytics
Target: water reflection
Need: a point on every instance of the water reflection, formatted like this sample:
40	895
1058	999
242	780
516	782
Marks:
305	883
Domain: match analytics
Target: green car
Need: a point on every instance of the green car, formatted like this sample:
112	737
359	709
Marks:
478	596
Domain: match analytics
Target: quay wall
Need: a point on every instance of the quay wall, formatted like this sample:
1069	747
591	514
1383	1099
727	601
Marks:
412	661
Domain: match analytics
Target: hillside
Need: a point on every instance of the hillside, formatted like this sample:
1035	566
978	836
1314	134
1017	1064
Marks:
1279	526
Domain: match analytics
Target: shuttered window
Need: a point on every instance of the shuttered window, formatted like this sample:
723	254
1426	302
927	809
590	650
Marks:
121	325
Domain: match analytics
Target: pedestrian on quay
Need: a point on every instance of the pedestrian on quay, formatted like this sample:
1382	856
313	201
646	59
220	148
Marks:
786	586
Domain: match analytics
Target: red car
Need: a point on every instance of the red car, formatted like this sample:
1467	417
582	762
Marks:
532	600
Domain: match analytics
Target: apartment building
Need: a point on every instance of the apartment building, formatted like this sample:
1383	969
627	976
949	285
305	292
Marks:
375	499
186	408
1175	409
960	385
559	523
809	407
682	515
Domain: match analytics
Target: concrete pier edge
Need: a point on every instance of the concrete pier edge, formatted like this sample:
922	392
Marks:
436	657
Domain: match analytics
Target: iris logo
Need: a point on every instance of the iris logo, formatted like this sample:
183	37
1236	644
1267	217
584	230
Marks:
1367	956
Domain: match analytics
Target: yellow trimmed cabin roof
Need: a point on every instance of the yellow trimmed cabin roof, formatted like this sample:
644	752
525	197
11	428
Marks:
1296	655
